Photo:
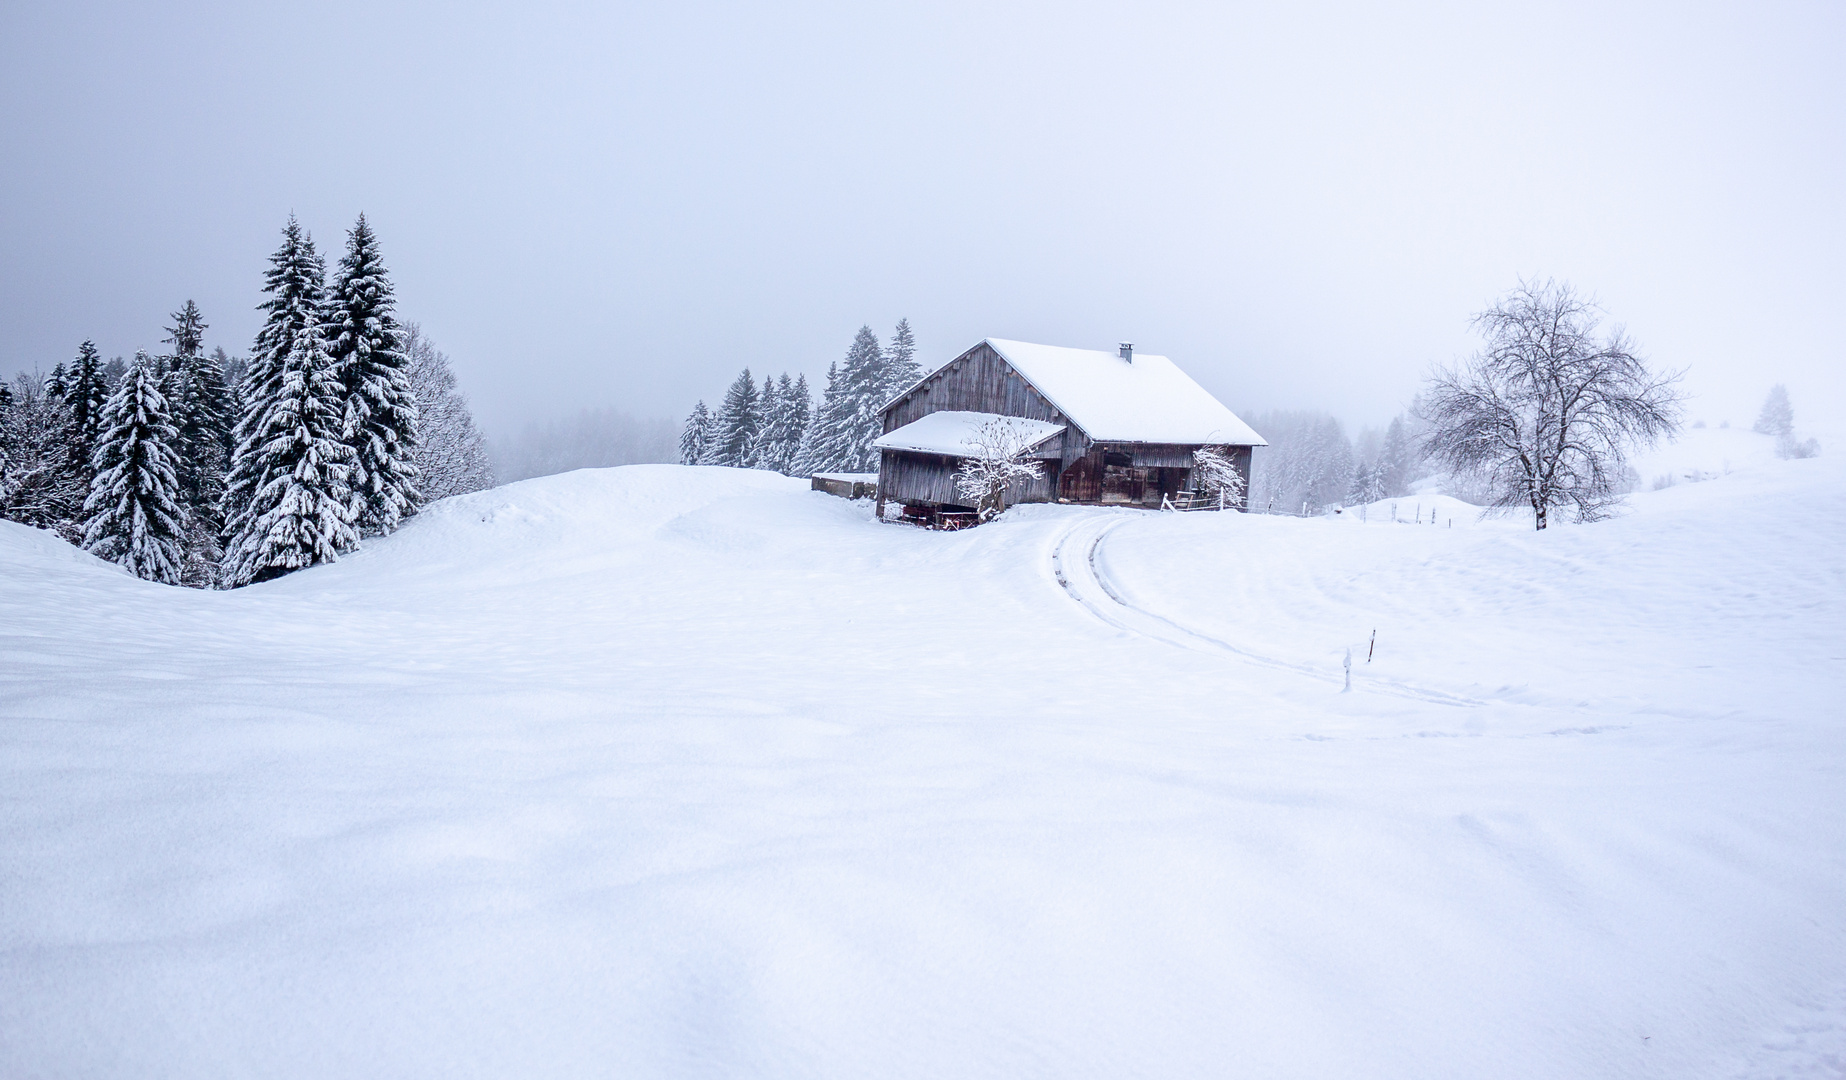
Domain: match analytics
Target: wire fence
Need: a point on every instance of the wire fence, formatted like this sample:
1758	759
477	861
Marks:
1418	515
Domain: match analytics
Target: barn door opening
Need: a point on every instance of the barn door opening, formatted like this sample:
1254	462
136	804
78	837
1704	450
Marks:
1125	484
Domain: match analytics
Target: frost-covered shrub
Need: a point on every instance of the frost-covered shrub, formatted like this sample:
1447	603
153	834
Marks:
993	464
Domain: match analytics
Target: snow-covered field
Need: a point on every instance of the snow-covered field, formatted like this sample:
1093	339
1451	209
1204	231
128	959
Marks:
657	771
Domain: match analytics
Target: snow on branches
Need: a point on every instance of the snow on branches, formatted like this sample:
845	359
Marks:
993	464
289	491
133	511
1217	475
1547	409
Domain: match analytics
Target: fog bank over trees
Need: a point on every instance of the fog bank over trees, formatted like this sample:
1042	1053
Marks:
589	439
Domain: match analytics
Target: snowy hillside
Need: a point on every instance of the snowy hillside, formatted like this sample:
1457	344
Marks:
658	771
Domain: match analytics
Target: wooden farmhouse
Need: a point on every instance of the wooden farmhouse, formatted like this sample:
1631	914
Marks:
1112	429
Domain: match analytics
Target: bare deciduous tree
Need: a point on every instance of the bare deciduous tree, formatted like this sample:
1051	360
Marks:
994	463
1547	410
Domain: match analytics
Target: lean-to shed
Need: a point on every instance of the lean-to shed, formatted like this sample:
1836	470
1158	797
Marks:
1115	428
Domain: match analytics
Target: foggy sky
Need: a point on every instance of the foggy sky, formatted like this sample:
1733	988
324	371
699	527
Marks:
595	205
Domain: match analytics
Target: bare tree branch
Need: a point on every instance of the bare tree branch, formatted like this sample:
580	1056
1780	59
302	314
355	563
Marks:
994	463
1547	411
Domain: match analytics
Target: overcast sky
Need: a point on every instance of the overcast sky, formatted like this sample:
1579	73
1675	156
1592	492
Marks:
605	205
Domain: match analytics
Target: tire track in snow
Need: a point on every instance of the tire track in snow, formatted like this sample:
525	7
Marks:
1075	565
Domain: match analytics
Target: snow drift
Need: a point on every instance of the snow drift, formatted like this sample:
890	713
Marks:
658	771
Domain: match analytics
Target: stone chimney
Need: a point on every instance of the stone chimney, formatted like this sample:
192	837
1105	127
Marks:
1127	351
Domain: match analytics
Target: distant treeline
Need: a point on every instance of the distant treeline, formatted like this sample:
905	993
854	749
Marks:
1310	463
591	439
778	427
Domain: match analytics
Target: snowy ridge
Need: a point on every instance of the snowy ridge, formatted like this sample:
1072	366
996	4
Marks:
667	771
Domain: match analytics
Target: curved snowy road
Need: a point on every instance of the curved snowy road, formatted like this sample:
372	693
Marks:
1079	566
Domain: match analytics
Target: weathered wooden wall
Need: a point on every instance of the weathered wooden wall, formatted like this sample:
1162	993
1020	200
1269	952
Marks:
976	381
1240	457
904	476
1156	455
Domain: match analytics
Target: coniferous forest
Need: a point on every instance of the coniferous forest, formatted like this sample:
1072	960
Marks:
778	426
215	471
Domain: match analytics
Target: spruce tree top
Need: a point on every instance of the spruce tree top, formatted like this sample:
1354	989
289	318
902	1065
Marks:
362	304
294	283
133	515
187	334
86	390
901	367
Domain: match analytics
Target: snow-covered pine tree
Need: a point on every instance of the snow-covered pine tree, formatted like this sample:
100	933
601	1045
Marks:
769	430
695	436
55	384
783	424
85	393
901	367
1778	416
113	372
1367	483
840	439
367	351
768	420
819	434
232	370
1397	460
452	457
6	456
866	379
1308	460
287	501
1329	464
201	405
204	410
187	334
801	413
133	515
737	423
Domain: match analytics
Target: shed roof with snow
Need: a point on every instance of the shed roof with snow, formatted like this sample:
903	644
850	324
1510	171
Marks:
953	432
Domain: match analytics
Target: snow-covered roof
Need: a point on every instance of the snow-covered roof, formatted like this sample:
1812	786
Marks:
1114	400
950	432
1148	399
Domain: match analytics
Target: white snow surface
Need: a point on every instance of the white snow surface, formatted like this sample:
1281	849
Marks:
849	477
1114	400
691	772
1698	454
953	432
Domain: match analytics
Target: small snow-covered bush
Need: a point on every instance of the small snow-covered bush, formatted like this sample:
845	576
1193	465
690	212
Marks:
993	464
1218	476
